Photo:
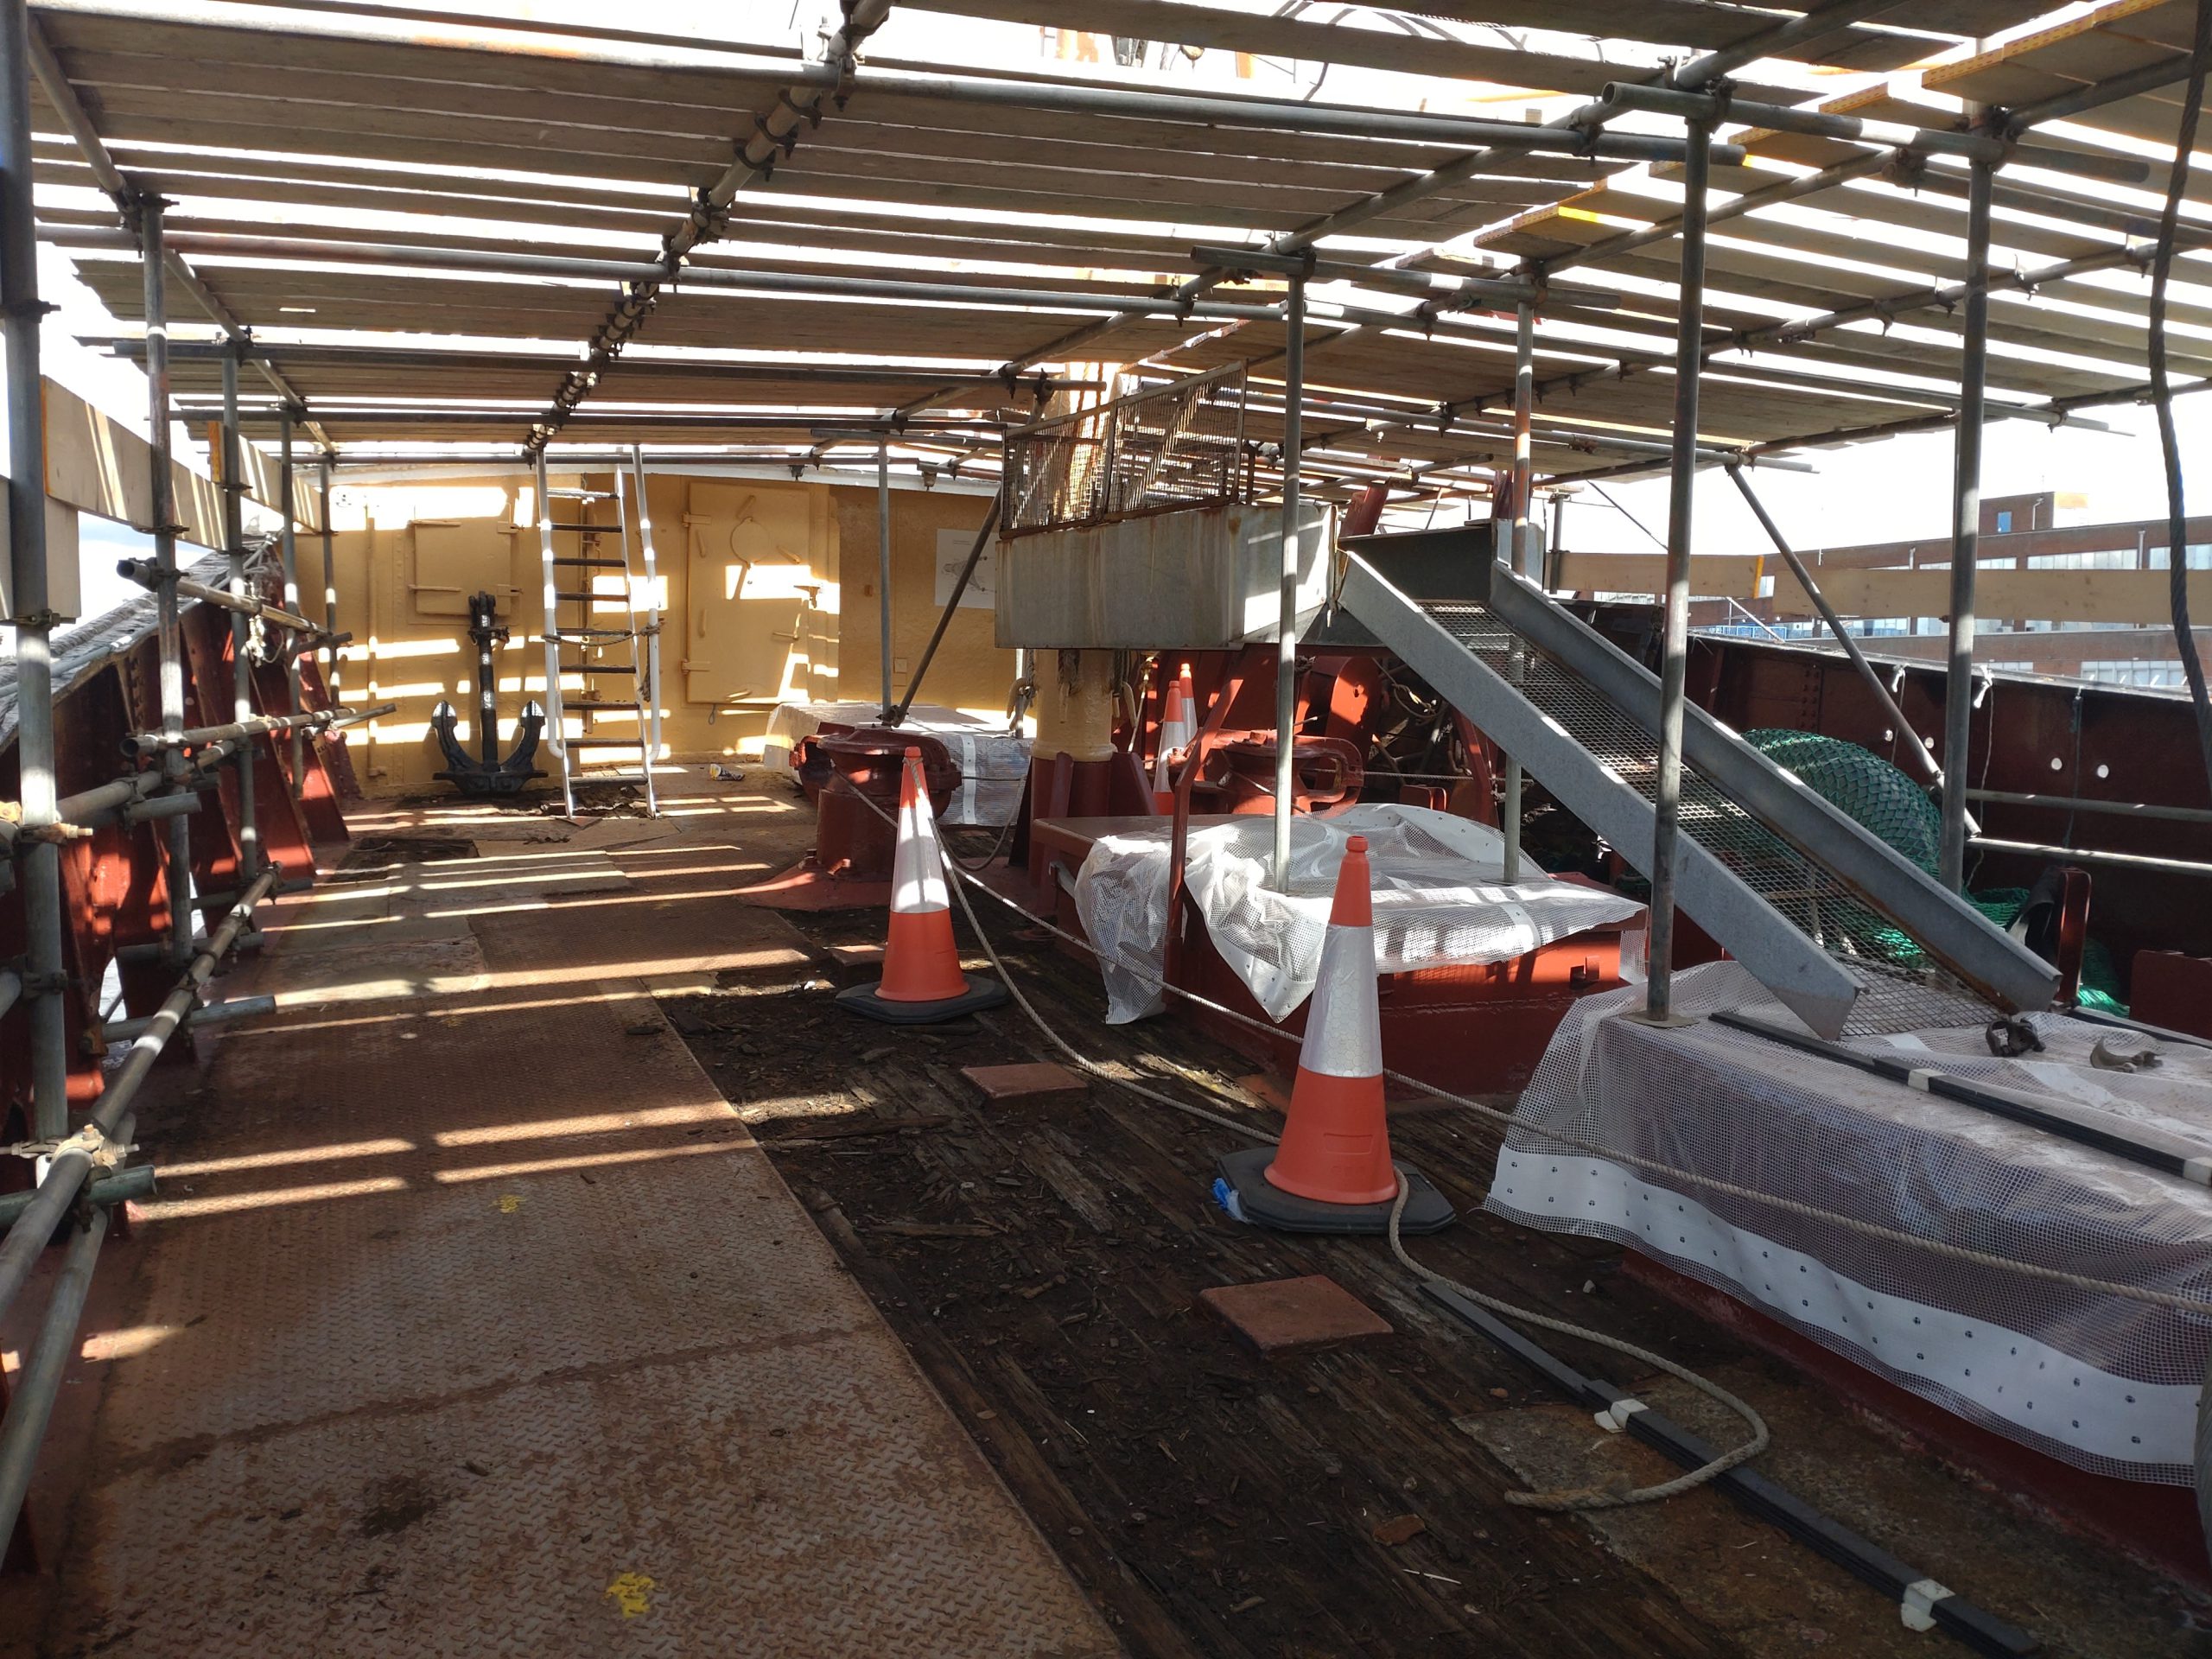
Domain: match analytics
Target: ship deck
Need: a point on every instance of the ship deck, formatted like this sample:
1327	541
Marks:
559	1272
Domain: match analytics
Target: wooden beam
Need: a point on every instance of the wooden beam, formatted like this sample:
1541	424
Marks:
2053	649
1713	576
2138	597
95	465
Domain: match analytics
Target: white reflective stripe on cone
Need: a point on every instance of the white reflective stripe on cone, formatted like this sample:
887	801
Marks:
1344	1028
918	868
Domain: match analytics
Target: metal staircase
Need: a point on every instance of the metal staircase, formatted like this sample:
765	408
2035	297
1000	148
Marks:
603	641
1836	923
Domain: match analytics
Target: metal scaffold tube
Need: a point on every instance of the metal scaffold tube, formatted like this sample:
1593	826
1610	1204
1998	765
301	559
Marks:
259	726
1517	556
151	577
329	588
952	604
652	622
39	1382
556	728
104	1140
1294	443
287	505
1666	826
241	624
107	1135
1965	535
168	631
1916	745
30	613
883	567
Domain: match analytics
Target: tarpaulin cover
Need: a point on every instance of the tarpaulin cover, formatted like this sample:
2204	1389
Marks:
994	762
2103	1383
1438	901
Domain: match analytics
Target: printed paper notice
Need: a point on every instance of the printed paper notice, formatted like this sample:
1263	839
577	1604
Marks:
952	549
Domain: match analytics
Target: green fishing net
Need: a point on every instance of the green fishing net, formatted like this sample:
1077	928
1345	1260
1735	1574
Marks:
1864	787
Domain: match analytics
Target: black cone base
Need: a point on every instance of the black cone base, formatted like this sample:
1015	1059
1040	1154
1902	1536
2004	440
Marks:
862	999
1245	1191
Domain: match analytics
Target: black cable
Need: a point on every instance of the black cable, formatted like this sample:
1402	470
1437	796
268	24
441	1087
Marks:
2162	391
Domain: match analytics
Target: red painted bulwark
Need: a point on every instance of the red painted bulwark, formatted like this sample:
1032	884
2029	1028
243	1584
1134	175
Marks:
2174	991
114	886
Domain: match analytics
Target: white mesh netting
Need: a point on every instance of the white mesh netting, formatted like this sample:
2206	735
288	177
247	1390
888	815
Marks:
2107	1384
1438	901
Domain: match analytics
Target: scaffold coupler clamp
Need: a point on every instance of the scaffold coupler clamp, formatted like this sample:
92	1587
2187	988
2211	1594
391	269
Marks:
809	113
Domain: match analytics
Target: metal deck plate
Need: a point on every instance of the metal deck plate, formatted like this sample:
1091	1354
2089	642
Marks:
477	1324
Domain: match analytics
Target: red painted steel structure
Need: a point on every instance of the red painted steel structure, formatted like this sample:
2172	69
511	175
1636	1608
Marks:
2030	736
115	893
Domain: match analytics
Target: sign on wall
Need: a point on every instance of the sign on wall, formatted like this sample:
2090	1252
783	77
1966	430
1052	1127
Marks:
953	547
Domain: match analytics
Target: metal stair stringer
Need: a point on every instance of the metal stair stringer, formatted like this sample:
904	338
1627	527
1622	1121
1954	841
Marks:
1810	982
1738	803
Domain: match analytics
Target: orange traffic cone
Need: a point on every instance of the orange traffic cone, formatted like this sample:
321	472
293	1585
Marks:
922	982
1174	736
1332	1172
1179	729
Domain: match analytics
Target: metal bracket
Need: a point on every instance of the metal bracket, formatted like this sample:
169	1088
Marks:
809	113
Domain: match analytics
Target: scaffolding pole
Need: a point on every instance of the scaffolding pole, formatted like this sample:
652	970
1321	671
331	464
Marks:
30	611
168	629
1524	386
883	568
286	504
105	1140
556	724
241	623
1922	755
1966	535
329	588
653	624
1674	669
1294	441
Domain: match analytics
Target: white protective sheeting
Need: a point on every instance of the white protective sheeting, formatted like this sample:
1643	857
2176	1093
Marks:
2105	1384
994	762
1438	901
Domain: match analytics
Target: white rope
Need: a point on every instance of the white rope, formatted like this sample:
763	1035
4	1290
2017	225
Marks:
1595	1497
1586	1499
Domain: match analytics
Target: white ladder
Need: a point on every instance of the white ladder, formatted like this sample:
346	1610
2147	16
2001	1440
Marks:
572	619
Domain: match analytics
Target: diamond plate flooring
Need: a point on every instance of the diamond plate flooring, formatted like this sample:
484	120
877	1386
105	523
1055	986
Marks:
470	1319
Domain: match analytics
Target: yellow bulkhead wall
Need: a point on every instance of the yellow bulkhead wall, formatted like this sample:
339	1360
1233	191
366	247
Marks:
769	590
